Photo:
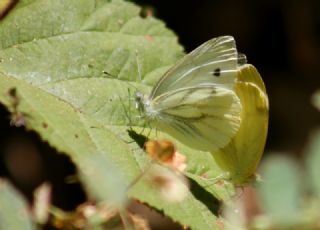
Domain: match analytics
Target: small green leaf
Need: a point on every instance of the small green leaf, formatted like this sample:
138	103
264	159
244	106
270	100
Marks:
14	212
312	155
316	99
281	190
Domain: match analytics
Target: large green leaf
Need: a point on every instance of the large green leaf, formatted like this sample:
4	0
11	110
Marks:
70	64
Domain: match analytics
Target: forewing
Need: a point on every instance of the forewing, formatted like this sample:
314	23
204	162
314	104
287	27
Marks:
203	117
214	62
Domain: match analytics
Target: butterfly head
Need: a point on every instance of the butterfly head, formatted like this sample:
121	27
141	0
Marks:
144	106
140	100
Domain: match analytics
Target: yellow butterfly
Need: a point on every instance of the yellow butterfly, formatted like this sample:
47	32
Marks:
241	156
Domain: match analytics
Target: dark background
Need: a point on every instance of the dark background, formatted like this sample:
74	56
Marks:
280	37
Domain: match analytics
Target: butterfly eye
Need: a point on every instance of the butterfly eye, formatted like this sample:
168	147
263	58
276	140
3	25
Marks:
138	96
217	72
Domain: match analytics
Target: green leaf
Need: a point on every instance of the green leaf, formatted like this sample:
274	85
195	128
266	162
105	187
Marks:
281	190
316	99
14	213
66	67
68	131
312	155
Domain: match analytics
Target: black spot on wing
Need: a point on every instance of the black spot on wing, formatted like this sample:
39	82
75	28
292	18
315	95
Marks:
217	72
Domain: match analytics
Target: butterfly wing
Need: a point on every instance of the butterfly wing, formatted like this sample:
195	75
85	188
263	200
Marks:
203	117
214	62
195	100
242	155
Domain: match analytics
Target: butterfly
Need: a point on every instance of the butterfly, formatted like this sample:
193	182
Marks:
195	100
241	156
211	100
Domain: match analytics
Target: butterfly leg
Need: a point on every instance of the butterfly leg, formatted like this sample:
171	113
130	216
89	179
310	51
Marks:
141	174
222	178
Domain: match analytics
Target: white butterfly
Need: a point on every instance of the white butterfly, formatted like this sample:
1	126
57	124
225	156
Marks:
195	100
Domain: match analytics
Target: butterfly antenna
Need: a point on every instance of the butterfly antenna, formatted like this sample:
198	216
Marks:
129	115
138	66
115	77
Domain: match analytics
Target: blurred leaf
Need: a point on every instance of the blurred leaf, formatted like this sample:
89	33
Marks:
281	190
312	155
69	131
316	99
14	213
71	64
